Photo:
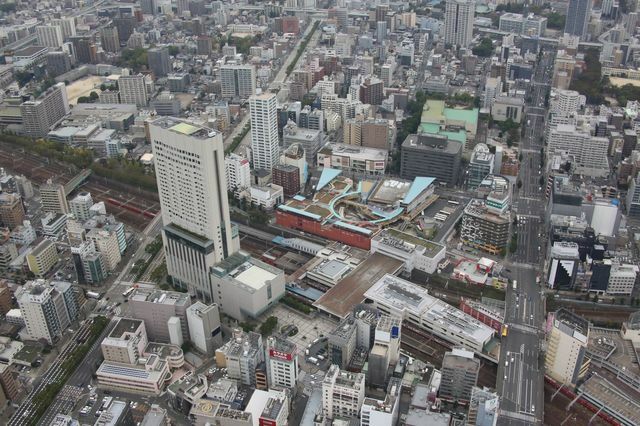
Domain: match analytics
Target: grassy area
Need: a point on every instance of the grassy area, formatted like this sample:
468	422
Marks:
43	400
302	48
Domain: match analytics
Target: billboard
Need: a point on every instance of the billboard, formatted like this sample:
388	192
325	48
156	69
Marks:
284	356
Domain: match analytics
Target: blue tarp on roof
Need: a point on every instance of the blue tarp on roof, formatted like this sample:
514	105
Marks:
419	184
327	176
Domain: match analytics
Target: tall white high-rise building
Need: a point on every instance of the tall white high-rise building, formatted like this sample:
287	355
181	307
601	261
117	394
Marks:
264	131
39	115
49	36
47	308
197	233
567	338
567	102
238	172
458	22
237	81
81	206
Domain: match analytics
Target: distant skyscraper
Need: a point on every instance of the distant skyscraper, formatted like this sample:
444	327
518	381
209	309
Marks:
159	61
85	49
49	36
148	6
238	81
458	22
264	131
109	39
197	231
68	26
577	19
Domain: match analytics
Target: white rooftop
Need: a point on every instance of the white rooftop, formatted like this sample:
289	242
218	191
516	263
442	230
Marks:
255	277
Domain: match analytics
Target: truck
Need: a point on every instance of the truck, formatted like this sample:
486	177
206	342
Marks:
313	360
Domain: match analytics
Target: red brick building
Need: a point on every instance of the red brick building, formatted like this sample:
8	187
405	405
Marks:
288	177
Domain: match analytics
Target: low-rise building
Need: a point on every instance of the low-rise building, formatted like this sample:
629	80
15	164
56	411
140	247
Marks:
415	252
484	228
241	355
353	160
395	296
245	286
147	376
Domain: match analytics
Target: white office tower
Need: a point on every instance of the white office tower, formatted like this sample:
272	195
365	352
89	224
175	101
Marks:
237	81
342	393
49	36
81	206
197	233
41	114
204	327
282	363
492	88
458	22
265	148
46	308
238	172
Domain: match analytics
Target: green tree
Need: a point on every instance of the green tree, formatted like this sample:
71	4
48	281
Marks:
484	49
555	21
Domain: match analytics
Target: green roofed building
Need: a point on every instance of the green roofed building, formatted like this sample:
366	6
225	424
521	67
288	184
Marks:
455	124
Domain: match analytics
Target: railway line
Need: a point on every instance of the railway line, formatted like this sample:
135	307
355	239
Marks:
134	207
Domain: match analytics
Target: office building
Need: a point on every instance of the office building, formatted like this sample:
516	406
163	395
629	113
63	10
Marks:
386	349
484	228
342	342
106	243
41	114
245	287
189	163
265	145
116	413
126	24
42	258
483	407
12	212
81	205
145	378
159	61
342	393
126	342
282	363
431	155
133	90
371	91
47	308
156	308
376	412
459	375
8	253
622	279
481	165
204	327
49	36
311	140
492	88
58	63
458	22
507	108
67	26
85	49
563	268
109	39
178	82
358	161
578	14
567	339
416	253
53	198
288	177
237	81
203	45
394	296
530	25
241	355
238	172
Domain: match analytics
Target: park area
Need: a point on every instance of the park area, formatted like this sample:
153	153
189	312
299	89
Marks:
83	87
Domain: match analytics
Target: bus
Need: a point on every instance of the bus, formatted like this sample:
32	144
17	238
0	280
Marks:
453	203
446	213
514	285
128	291
440	218
93	295
505	329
